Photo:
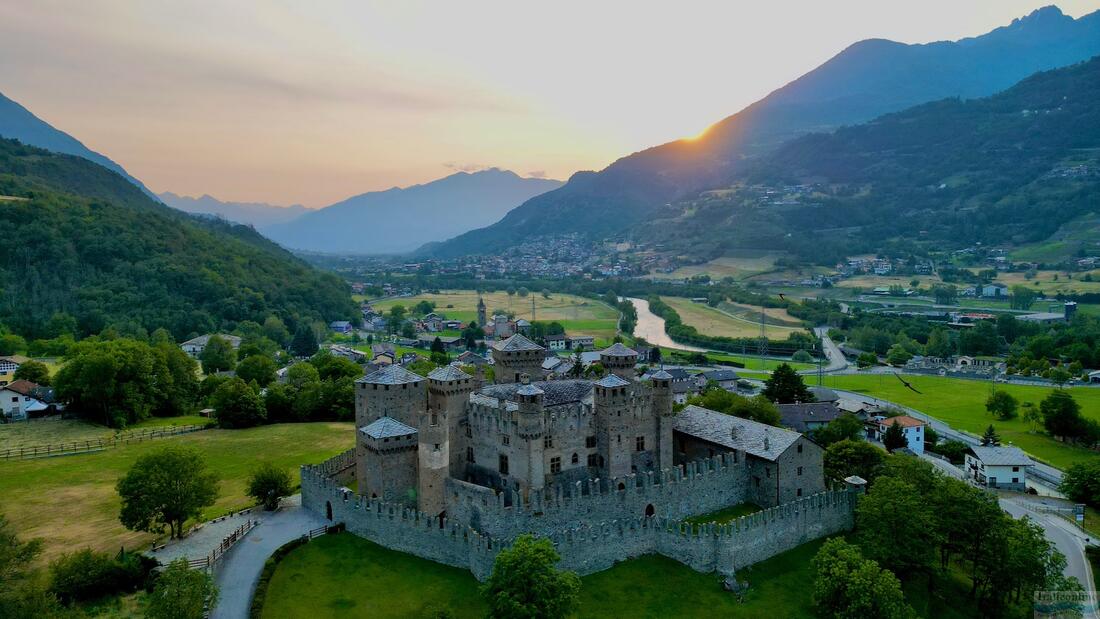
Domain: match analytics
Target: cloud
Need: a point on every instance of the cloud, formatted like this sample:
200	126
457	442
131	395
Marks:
537	174
466	167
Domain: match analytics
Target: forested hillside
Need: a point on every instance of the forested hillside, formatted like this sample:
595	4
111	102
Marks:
81	240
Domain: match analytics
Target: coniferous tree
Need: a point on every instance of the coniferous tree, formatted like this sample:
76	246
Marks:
894	437
304	343
785	386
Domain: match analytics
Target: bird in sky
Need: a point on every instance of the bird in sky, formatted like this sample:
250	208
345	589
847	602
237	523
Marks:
907	384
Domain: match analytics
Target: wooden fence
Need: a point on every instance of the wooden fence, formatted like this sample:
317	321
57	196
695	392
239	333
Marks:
209	560
94	445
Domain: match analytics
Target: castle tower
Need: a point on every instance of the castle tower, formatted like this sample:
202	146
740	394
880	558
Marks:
481	314
515	357
615	427
531	429
662	408
393	392
619	360
388	406
449	391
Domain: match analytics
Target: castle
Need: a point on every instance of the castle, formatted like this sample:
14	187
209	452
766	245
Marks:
492	461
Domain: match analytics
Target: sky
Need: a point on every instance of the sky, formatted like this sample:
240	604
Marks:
311	102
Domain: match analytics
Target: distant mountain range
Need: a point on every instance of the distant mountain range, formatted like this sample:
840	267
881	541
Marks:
258	214
17	122
866	80
401	219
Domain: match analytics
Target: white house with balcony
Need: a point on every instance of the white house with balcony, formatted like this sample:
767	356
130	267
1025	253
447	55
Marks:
1004	468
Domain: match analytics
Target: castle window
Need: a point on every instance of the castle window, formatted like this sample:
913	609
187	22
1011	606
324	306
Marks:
469	432
800	470
548	442
504	438
768	473
470	455
756	480
555	465
502	464
590	441
576	459
593	460
799	493
639	443
435	419
800	448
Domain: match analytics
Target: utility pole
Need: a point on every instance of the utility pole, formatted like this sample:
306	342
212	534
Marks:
763	341
532	308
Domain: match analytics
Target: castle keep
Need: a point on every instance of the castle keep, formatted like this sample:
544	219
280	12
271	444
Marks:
471	463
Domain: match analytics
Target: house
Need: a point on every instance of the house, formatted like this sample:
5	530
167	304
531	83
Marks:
195	346
347	353
1004	468
726	379
782	465
340	326
374	324
585	341
806	416
450	342
22	399
862	410
523	326
382	353
8	366
472	358
911	427
824	394
994	291
556	341
1094	377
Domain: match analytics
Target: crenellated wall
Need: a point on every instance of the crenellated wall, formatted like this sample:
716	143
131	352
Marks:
587	539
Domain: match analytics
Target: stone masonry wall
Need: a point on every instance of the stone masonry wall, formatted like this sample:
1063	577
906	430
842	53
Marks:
588	544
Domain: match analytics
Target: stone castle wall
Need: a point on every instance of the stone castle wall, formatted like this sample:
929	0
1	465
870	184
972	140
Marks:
596	544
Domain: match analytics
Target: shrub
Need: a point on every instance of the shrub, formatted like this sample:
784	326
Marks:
268	484
88	575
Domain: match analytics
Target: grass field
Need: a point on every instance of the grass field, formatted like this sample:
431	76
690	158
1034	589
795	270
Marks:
346	576
579	316
710	321
54	430
772	315
71	501
739	266
961	404
749	363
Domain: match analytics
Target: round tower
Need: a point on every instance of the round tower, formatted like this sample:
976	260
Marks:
619	360
531	428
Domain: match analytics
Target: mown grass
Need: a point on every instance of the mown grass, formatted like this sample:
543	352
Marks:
961	404
71	502
713	322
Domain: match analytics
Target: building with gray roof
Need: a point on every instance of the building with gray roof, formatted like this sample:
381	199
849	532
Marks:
1001	467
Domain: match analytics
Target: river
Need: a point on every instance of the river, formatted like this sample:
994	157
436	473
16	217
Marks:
651	328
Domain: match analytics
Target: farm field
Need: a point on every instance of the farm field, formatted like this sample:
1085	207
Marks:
868	282
738	266
345	576
71	502
579	316
1044	281
710	321
748	363
961	404
772	315
54	430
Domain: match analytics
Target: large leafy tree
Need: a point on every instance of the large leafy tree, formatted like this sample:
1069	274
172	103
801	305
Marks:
118	382
1081	482
1061	414
258	368
181	593
896	527
218	355
34	371
1001	404
785	386
236	405
304	343
23	594
526	584
848	586
164	488
758	408
853	457
269	483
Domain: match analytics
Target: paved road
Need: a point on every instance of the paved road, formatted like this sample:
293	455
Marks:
837	361
202	541
239	570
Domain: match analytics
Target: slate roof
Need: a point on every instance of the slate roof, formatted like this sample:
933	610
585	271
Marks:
391	375
720	375
618	350
797	416
446	373
612	381
516	343
757	439
386	427
203	340
529	389
555	392
678	373
659	375
824	394
1002	456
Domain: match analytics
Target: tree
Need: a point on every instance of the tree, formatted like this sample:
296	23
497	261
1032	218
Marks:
523	292
785	386
181	593
1059	376
866	359
801	356
848	586
437	346
34	371
852	457
1031	415
991	438
845	427
257	368
1001	404
11	344
1023	297
525	582
758	409
304	343
953	450
898	355
893	506
1061	414
269	483
1081	483
939	344
236	405
331	367
894	437
164	488
218	355
275	330
23	594
945	294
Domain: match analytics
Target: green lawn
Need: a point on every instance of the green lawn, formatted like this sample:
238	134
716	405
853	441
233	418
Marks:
961	404
71	502
746	361
723	516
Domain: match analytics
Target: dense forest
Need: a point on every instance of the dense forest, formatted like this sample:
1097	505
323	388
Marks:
82	242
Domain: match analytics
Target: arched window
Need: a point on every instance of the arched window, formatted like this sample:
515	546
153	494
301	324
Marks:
650	511
622	486
576	459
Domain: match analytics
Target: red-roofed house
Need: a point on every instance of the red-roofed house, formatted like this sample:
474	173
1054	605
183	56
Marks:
911	427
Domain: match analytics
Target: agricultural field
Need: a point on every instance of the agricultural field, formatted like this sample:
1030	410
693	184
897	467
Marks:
1045	282
55	430
869	282
961	404
579	316
715	322
71	502
342	575
738	266
772	315
751	363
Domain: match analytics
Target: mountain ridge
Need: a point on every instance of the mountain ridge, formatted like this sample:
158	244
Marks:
256	214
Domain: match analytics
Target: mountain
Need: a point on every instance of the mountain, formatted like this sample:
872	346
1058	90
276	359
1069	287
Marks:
256	214
1010	169
400	220
94	246
868	79
18	123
